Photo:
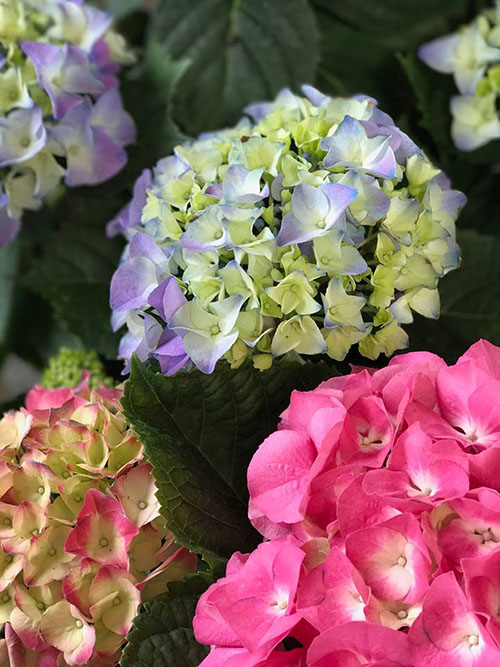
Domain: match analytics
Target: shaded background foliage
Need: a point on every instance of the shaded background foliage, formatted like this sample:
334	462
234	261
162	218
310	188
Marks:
199	63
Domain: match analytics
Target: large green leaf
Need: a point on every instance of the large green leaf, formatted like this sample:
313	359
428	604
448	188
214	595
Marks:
470	301
360	40
162	634
393	22
200	432
239	51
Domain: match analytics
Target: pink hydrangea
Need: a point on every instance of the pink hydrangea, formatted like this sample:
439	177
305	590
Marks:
380	492
82	543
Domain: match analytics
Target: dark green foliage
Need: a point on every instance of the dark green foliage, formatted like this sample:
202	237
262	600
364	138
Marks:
200	432
163	633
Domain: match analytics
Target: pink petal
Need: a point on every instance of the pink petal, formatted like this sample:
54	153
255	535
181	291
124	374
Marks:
278	475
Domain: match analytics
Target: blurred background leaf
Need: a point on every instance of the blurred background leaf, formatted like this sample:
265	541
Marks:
239	51
470	301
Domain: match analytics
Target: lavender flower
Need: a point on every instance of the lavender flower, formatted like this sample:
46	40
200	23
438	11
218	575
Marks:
317	226
61	114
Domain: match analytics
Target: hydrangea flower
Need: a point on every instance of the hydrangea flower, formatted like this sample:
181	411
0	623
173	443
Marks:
82	543
70	366
472	56
379	502
313	225
61	114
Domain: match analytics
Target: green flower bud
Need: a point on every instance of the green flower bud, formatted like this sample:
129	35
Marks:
67	367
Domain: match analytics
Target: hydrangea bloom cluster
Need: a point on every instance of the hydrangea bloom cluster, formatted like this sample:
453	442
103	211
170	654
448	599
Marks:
379	500
67	369
312	227
61	114
81	540
472	55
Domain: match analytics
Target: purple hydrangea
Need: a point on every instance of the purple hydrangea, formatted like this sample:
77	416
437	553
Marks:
310	227
61	113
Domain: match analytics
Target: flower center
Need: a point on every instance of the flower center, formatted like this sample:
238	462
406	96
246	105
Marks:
142	505
41	490
25	142
117	601
473	640
472	436
40	606
52	551
402	561
321	224
79	624
488	536
402	614
103	542
215	330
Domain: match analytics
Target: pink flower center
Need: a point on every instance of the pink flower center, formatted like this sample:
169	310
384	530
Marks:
473	437
486	535
280	603
401	561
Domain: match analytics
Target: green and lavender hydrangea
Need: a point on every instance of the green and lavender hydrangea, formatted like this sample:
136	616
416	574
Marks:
312	226
472	55
61	114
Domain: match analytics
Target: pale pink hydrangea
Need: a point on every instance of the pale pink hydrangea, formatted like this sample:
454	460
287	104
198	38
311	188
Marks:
82	543
380	492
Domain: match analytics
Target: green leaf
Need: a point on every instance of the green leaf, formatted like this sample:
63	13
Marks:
239	51
120	8
470	301
394	22
433	92
8	265
162	634
200	432
75	272
360	41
